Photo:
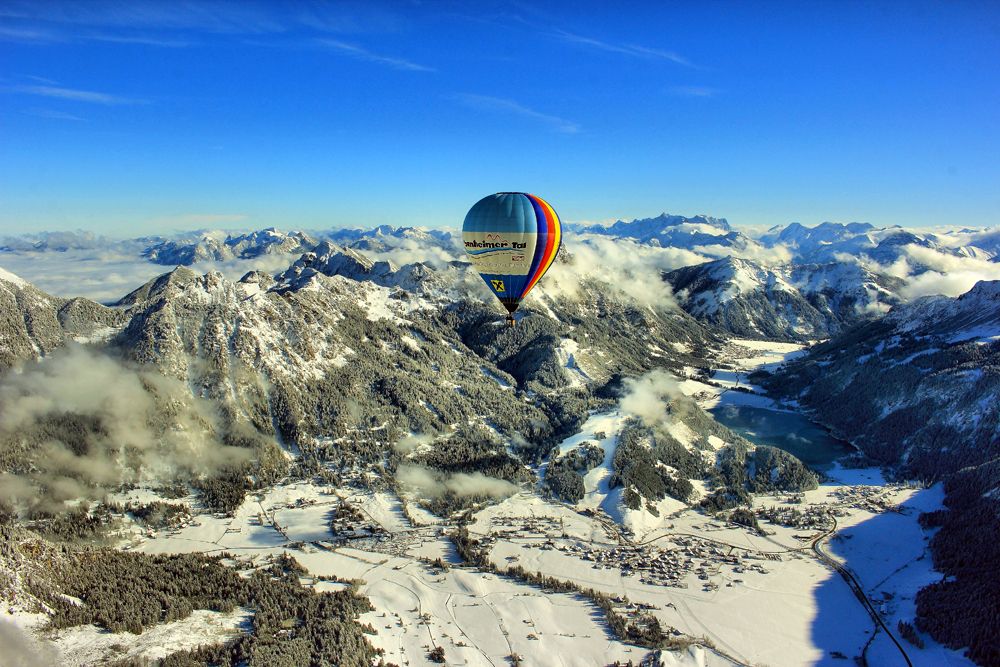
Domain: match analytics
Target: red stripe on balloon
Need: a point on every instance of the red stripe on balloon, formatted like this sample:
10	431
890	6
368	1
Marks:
549	243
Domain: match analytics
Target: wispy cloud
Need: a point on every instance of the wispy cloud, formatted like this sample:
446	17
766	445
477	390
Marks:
75	95
693	91
364	54
220	17
633	50
143	40
30	35
53	114
501	105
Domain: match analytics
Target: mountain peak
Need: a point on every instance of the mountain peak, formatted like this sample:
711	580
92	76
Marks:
984	289
9	277
177	278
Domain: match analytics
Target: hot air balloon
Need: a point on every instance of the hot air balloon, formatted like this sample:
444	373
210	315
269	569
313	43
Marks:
512	239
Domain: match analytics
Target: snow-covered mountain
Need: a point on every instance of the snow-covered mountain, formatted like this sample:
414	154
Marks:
829	242
322	370
808	239
33	323
712	235
919	387
388	234
800	302
338	344
270	241
332	260
210	247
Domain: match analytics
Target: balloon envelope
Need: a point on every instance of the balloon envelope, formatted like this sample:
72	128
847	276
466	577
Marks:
512	239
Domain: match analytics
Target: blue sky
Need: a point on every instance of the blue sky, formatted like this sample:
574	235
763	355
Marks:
142	117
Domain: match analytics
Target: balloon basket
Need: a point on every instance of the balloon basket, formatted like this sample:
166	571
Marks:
510	320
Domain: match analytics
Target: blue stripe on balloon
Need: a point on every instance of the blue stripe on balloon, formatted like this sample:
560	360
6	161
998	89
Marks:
540	241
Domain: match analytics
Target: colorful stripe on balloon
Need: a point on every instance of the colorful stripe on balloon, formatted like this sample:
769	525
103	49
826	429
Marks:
545	251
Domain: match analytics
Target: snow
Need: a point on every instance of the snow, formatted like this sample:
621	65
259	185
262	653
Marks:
98	335
88	644
889	554
342	359
984	333
744	357
566	354
479	619
376	302
496	378
9	277
797	611
770	353
598	493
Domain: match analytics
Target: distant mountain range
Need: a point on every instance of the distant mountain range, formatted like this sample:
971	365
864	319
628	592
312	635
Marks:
245	246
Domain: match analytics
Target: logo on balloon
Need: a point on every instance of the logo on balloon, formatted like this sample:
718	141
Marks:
498	286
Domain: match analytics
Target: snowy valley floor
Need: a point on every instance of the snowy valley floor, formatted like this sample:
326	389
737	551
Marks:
760	600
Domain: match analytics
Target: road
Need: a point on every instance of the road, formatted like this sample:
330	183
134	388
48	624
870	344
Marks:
859	591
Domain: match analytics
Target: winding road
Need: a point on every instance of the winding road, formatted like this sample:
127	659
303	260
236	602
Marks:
859	592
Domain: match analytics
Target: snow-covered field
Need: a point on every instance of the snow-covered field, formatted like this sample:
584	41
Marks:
758	599
89	645
739	359
478	618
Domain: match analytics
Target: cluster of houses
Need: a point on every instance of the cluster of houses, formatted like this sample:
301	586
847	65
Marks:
812	517
669	563
874	499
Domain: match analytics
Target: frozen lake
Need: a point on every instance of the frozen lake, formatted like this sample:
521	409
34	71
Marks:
789	431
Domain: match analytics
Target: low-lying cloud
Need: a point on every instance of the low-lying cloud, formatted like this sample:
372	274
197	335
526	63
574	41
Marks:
928	271
78	423
618	265
649	396
401	251
108	275
429	483
412	442
21	650
764	255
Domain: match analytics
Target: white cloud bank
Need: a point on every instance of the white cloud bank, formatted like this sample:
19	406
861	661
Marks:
649	396
597	262
931	272
429	483
89	423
